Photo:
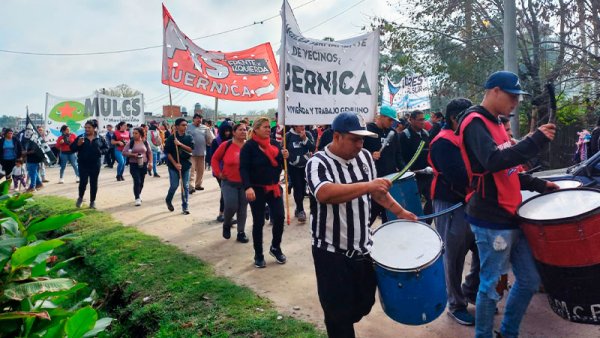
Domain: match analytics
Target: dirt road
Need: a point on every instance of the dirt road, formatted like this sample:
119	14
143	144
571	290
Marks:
290	286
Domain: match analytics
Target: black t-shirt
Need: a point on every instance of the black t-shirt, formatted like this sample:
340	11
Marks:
390	161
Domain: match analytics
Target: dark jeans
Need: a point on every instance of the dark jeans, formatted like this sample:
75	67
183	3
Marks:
138	174
221	202
7	166
258	219
88	172
109	158
458	241
346	288
298	182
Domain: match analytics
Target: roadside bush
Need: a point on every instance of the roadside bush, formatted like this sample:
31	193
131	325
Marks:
37	299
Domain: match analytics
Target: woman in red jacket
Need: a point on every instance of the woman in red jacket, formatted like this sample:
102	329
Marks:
63	143
225	164
120	139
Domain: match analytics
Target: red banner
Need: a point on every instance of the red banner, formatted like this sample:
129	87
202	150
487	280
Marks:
248	75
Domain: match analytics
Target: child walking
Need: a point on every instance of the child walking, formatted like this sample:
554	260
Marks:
18	175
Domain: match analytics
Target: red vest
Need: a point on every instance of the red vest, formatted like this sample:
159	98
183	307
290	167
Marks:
507	180
449	135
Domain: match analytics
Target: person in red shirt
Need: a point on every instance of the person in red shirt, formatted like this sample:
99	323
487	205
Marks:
120	139
63	143
225	163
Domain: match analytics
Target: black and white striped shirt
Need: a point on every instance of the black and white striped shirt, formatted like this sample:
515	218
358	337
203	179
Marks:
341	226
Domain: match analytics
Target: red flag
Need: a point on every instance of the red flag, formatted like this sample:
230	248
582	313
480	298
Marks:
248	75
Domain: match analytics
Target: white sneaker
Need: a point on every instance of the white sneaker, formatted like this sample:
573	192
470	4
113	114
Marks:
61	180
77	180
138	202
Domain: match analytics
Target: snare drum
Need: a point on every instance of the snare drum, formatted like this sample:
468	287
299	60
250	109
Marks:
563	231
405	191
410	271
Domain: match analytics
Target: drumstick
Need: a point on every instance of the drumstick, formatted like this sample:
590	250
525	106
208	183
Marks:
410	163
440	213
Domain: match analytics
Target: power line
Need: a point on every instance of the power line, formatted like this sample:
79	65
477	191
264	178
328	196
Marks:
147	47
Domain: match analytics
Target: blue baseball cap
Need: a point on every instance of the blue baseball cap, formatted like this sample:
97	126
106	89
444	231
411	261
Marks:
352	123
505	80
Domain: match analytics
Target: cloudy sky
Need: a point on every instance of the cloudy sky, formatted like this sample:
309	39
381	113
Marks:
74	26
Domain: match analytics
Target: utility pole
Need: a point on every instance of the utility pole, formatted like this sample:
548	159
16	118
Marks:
510	51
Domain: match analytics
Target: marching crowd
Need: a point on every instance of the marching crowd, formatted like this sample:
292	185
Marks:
468	157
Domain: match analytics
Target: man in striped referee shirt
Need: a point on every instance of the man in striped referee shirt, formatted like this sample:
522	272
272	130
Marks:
343	179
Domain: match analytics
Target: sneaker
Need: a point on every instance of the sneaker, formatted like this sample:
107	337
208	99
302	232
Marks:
79	202
44	180
279	256
170	206
77	179
39	186
242	238
463	317
31	190
61	180
220	218
226	231
192	190
92	205
259	262
138	202
301	216
199	188
156	176
185	212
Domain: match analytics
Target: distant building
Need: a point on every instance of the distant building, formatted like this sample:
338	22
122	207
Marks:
184	112
171	111
36	119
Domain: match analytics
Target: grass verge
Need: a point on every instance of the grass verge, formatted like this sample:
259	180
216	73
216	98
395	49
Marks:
154	289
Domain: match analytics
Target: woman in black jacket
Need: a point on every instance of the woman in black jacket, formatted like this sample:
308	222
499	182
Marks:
261	162
89	147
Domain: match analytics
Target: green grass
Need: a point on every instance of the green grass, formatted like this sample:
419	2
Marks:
153	289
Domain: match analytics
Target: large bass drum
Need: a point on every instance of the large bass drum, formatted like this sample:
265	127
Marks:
563	231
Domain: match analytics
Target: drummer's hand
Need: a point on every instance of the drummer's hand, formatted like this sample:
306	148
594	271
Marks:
551	186
405	214
376	155
549	130
380	186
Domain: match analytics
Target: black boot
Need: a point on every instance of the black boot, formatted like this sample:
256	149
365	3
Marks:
226	231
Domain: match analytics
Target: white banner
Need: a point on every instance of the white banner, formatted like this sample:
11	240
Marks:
320	79
411	93
74	112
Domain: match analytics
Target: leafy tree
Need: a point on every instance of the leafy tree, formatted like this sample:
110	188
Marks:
121	90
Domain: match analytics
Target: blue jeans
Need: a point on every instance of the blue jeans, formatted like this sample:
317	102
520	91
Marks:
120	162
155	155
71	158
174	183
34	178
498	248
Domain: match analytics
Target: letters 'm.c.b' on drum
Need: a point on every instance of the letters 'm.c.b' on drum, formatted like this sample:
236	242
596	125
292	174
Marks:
410	271
563	231
405	191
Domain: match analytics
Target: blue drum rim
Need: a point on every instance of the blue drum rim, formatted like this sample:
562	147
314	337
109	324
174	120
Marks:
419	268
